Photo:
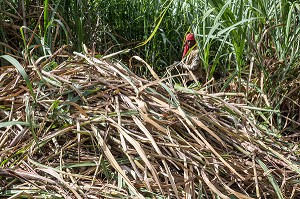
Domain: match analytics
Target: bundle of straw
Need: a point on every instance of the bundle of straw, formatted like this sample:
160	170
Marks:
91	128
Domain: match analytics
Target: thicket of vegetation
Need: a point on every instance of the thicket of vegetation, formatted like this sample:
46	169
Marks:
85	99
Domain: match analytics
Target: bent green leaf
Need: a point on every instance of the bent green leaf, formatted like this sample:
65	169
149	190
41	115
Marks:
21	70
11	123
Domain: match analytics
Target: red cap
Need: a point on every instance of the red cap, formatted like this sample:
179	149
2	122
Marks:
189	37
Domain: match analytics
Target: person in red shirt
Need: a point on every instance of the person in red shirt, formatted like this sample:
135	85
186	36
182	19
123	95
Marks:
190	62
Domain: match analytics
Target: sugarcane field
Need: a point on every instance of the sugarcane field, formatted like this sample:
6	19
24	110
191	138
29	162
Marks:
160	99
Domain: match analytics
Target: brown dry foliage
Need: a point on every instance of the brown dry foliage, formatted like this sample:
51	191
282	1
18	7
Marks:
98	130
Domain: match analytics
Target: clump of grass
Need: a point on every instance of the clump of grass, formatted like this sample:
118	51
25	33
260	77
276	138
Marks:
95	129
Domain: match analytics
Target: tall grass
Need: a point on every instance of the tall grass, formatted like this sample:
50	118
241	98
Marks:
249	47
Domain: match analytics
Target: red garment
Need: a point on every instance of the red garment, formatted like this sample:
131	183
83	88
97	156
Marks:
185	50
188	37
